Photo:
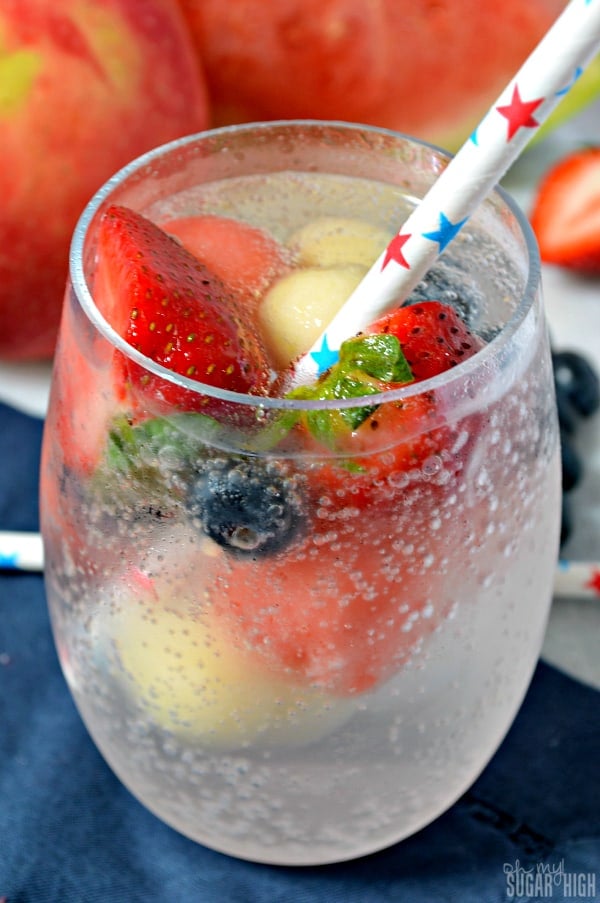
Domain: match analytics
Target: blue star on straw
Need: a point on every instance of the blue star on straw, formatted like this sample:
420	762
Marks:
446	232
576	77
8	561
325	357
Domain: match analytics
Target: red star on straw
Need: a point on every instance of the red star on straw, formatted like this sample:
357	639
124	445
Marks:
519	113
594	582
394	252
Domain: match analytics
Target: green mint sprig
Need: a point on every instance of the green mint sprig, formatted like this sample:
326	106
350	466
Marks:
154	459
366	364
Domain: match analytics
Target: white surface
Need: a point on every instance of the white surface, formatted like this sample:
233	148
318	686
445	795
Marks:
573	306
26	386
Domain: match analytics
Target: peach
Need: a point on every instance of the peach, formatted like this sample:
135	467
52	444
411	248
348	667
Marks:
427	69
85	86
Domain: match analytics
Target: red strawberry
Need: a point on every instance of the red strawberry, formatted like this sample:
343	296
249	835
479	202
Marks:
433	337
84	368
566	212
400	436
244	257
168	305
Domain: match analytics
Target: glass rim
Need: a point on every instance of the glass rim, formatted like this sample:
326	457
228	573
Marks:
443	380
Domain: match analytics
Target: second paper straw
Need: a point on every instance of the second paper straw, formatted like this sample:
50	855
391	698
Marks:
527	101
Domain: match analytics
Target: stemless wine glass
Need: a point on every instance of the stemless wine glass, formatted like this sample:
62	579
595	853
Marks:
292	650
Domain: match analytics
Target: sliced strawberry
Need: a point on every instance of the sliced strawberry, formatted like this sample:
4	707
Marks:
244	257
399	442
432	335
85	397
398	436
566	212
172	308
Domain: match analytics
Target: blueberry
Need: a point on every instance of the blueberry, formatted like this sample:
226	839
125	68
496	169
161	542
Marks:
250	507
566	521
571	463
446	284
566	415
579	381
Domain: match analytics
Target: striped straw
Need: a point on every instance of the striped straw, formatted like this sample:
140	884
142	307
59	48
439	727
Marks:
21	551
527	101
580	579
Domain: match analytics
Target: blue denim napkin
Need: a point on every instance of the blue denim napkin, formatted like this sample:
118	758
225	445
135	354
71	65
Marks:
70	833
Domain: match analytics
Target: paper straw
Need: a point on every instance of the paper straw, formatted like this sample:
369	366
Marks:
21	551
577	579
573	579
527	101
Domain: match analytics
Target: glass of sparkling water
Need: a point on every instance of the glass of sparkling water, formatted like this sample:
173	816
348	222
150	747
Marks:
294	648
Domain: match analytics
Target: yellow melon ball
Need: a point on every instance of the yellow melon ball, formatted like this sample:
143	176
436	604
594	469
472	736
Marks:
334	241
298	308
190	678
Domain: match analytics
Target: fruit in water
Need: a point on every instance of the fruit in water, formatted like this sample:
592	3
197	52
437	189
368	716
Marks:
334	613
566	212
85	88
340	612
298	307
245	258
84	369
450	284
412	343
337	614
332	254
169	306
334	241
191	677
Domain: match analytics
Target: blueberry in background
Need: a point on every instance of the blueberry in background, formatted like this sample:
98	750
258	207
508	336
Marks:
572	467
441	283
578	381
577	396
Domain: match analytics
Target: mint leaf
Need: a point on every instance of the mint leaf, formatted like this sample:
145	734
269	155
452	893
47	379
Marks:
150	462
327	424
272	431
379	355
157	445
366	365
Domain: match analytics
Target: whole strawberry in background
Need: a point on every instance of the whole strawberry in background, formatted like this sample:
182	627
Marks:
427	69
85	86
565	215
